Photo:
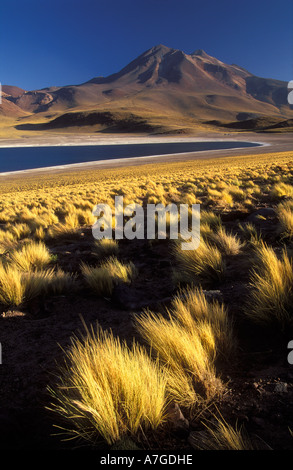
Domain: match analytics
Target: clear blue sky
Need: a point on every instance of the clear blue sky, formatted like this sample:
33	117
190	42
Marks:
60	42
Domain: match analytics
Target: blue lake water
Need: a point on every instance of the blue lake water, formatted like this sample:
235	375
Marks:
26	158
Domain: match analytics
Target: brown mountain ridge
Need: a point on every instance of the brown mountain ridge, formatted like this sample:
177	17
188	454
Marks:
162	89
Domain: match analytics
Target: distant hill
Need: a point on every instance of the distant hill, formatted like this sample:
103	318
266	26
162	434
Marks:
161	88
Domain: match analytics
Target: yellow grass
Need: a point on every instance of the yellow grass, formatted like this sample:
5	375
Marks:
227	243
12	289
204	266
271	288
285	215
195	335
108	390
105	247
190	307
101	279
31	256
221	435
188	341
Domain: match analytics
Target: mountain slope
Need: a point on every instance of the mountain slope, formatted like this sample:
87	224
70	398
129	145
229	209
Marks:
161	84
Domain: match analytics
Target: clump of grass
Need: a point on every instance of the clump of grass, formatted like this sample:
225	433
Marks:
281	190
188	341
12	289
220	435
105	247
210	218
31	256
271	282
250	233
285	215
6	237
186	355
40	233
47	282
238	195
108	390
63	231
20	230
226	198
191	308
227	243
204	265
101	279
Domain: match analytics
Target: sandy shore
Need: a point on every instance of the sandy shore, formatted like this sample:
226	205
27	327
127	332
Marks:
270	143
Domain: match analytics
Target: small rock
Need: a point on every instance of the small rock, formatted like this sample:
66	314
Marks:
281	387
213	294
177	420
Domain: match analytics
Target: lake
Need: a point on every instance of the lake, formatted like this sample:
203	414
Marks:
27	158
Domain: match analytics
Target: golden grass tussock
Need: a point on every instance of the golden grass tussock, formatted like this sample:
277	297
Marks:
271	283
220	435
31	256
227	243
102	279
108	390
188	342
204	266
285	216
250	233
12	289
191	307
281	190
105	247
47	282
185	355
18	287
20	230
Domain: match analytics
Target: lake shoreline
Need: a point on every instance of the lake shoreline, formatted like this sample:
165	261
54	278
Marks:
269	143
27	158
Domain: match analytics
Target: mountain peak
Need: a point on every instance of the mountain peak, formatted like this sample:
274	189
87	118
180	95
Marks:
201	53
159	48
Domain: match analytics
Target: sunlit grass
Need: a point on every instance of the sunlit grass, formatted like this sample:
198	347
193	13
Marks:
108	390
271	288
31	256
227	243
102	279
220	435
285	216
188	342
205	265
105	247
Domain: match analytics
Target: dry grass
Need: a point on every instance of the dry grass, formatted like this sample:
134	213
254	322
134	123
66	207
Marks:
105	247
191	307
12	289
281	190
285	215
220	435
31	256
271	288
18	287
205	265
47	282
108	390
227	243
188	341
187	356
101	279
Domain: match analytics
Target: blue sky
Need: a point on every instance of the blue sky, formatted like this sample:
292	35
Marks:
61	42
